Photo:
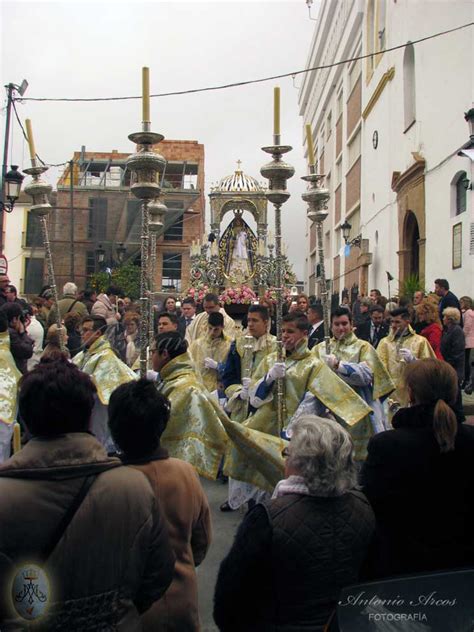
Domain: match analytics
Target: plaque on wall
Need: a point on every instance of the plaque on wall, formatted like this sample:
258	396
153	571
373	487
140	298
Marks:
457	246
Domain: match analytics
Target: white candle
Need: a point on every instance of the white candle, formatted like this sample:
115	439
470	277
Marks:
145	94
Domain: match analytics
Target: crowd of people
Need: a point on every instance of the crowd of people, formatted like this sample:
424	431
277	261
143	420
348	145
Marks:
331	447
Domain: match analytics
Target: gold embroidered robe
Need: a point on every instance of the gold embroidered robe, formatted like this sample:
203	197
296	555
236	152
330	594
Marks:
199	327
352	349
304	374
387	351
105	368
195	431
9	376
262	347
206	347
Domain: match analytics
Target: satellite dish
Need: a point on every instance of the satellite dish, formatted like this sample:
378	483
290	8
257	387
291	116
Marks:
23	87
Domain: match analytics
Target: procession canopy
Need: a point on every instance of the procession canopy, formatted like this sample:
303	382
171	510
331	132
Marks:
238	244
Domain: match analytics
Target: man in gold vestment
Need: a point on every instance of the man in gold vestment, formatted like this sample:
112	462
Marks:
195	431
9	376
106	370
399	348
198	327
245	355
210	351
356	362
310	387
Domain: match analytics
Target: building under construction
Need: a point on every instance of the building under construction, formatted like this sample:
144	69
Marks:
96	222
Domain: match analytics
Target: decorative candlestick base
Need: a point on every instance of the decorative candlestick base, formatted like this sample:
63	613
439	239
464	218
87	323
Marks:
278	172
317	198
145	167
39	190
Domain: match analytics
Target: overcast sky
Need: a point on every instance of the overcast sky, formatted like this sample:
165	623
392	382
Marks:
97	49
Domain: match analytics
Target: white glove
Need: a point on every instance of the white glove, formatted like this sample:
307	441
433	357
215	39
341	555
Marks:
209	363
278	370
244	393
330	359
406	355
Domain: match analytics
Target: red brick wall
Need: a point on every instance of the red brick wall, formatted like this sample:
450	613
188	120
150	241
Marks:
353	185
337	204
193	226
339	136
337	272
354	105
351	268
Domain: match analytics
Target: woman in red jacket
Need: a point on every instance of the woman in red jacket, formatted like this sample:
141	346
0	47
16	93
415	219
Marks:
427	313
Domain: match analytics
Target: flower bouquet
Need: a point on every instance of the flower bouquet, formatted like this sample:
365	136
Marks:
197	292
243	295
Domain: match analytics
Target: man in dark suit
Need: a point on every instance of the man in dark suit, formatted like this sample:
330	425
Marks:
186	313
375	329
448	299
315	318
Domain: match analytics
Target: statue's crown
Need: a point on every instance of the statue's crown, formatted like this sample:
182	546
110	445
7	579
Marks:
30	574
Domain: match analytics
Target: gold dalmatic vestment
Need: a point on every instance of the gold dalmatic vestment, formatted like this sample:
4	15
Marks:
105	368
195	431
199	326
352	349
388	351
9	376
249	362
304	374
207	347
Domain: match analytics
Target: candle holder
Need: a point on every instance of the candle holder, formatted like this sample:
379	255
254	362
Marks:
277	172
145	167
39	191
317	197
156	219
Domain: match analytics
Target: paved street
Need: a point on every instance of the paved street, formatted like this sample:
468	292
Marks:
224	526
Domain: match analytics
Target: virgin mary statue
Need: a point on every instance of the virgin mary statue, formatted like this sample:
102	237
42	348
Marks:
238	243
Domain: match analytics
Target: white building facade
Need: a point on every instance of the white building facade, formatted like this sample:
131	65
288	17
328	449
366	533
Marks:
23	248
387	130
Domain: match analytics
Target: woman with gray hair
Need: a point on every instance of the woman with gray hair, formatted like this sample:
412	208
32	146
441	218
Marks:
292	556
452	349
453	341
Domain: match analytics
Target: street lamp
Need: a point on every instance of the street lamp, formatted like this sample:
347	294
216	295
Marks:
12	184
467	150
100	256
346	231
121	252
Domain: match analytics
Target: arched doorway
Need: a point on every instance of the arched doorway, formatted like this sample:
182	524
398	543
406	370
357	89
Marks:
410	189
411	239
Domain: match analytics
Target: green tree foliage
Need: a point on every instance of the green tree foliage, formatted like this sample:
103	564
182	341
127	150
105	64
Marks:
126	276
411	284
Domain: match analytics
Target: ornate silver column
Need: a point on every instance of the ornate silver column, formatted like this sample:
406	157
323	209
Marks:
156	214
39	190
144	166
317	198
278	172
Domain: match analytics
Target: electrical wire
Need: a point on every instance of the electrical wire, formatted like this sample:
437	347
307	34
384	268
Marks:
25	136
251	81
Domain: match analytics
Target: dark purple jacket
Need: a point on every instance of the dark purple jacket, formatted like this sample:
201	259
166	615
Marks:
21	347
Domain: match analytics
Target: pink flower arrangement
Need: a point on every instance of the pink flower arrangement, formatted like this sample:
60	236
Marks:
241	295
270	294
197	292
